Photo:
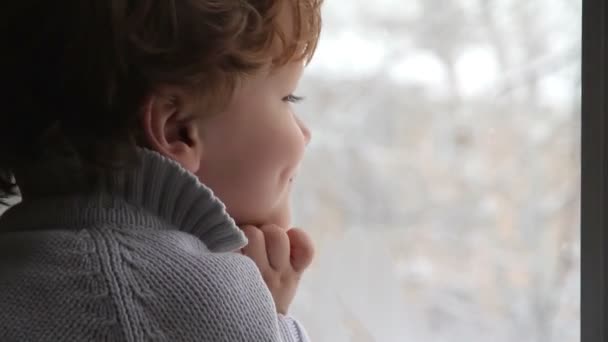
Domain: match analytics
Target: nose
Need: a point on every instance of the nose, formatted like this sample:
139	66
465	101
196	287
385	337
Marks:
305	131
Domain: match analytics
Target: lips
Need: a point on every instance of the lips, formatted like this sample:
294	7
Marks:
292	174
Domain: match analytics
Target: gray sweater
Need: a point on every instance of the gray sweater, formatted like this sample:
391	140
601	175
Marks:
147	257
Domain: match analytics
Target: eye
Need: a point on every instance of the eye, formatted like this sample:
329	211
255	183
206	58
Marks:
293	98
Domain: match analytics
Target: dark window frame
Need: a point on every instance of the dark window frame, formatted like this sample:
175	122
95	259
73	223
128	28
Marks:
594	168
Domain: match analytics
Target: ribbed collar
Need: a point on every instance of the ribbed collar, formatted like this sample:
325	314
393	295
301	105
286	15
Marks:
158	193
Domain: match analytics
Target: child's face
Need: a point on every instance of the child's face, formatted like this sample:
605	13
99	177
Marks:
252	150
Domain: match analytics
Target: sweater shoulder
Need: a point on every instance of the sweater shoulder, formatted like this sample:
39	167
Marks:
179	290
128	284
50	277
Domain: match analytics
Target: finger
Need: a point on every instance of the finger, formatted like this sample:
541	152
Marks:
302	249
277	246
256	247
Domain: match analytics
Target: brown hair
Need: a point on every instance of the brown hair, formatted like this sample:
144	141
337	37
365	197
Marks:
77	71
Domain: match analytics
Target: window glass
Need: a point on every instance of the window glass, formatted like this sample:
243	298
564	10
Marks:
442	183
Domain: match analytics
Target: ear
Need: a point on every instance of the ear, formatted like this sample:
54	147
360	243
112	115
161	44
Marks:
170	127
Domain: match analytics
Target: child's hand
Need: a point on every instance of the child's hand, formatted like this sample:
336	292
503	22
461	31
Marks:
282	256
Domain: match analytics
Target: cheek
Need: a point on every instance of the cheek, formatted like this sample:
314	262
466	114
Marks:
284	148
273	159
251	172
263	189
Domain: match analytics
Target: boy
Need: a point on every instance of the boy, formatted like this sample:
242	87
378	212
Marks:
142	135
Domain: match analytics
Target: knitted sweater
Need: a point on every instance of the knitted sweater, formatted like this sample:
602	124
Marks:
147	257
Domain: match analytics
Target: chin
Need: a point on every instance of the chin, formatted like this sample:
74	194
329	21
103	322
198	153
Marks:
277	211
283	215
279	215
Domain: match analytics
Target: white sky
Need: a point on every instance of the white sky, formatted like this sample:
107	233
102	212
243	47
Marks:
349	50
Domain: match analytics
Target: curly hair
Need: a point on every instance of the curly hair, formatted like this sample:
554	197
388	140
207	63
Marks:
78	71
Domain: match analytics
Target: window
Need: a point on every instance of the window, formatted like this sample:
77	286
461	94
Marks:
594	172
442	184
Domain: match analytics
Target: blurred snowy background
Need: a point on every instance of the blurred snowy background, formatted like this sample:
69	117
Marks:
442	182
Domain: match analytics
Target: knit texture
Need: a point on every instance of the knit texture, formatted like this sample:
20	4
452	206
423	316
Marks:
149	256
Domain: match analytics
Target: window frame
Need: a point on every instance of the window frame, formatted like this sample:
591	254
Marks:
594	172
